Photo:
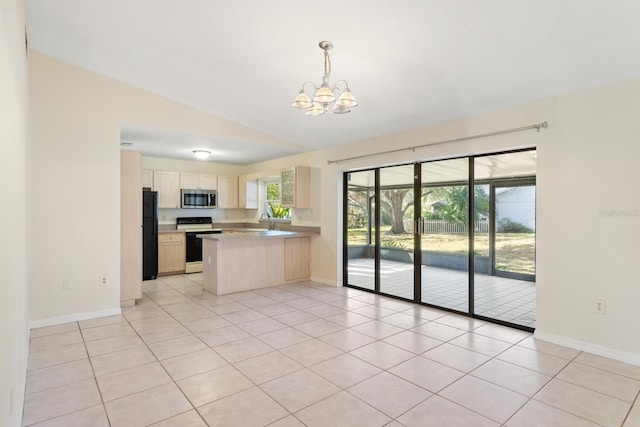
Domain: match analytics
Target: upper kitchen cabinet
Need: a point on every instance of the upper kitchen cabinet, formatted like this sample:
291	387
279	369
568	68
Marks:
247	193
198	181
147	178
167	184
227	191
295	184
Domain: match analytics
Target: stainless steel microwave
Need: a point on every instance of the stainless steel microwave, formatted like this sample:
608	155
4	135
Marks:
198	199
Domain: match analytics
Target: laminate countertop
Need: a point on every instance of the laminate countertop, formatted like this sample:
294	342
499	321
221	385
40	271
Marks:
236	234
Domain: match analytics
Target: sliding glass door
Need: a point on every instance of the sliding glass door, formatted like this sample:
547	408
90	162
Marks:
444	238
458	234
504	254
360	229
397	255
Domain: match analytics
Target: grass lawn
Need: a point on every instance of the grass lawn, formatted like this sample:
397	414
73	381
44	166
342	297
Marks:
515	252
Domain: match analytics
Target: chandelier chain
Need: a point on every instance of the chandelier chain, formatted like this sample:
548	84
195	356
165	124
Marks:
327	67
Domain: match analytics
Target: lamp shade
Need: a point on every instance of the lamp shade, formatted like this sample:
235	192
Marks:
324	94
346	99
302	100
339	109
315	110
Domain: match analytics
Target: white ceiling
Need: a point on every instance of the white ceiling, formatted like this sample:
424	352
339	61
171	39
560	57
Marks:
409	63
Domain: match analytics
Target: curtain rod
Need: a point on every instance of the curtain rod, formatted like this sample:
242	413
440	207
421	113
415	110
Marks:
536	126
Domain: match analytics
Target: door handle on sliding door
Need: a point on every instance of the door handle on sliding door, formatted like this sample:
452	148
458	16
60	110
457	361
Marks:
419	226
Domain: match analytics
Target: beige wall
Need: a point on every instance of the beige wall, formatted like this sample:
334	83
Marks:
75	180
14	330
585	166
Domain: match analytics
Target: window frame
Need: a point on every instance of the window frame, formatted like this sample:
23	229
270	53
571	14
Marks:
263	203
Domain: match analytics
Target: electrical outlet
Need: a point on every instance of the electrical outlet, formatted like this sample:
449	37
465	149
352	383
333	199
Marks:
66	284
103	281
599	306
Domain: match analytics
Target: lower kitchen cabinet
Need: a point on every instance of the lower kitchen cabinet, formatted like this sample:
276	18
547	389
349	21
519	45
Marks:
296	258
171	253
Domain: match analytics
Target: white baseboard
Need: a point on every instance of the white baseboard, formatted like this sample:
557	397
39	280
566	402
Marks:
51	321
325	281
599	350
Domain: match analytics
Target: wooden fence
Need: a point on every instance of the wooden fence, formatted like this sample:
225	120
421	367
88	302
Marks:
448	227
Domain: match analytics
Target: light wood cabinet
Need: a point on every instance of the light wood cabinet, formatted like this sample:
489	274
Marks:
227	191
247	193
167	184
147	178
296	258
198	181
171	252
130	227
274	260
295	185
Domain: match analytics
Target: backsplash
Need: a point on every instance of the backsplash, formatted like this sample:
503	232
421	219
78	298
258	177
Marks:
168	216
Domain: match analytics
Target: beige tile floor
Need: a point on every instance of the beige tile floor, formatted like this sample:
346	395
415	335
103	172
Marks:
314	355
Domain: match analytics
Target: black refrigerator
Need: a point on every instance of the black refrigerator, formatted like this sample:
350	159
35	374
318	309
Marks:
149	235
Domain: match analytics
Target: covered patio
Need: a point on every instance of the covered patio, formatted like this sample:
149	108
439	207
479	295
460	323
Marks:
504	299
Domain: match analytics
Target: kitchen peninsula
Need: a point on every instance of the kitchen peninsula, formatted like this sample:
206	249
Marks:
243	259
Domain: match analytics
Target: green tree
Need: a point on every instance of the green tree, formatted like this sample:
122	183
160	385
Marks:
398	203
358	207
273	208
273	191
456	203
277	211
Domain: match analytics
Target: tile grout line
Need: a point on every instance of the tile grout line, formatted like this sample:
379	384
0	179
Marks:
73	382
633	404
241	373
194	408
95	377
375	306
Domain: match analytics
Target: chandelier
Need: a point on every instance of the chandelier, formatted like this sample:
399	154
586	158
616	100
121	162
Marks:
325	96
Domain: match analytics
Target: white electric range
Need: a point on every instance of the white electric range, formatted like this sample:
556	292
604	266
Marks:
192	226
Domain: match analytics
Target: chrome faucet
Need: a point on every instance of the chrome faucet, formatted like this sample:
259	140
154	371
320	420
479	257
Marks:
272	222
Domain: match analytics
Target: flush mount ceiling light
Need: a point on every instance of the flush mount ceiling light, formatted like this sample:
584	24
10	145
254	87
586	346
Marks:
202	154
340	101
